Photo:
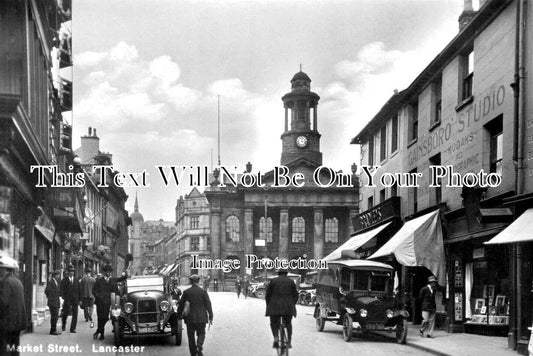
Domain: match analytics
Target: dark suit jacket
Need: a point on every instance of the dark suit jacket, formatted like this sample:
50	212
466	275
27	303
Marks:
86	287
53	292
102	290
427	299
12	308
281	297
70	291
200	305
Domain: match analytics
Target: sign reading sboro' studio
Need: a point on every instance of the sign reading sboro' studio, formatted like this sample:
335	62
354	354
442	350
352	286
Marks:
389	209
457	133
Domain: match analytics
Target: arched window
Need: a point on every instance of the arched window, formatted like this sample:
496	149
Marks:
232	228
265	229
332	230
298	230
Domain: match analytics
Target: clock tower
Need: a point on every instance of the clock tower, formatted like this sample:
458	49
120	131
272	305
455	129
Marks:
301	138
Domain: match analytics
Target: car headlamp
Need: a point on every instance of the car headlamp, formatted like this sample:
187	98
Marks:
128	307
389	313
363	313
165	305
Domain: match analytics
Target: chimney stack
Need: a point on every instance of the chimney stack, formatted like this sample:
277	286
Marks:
467	15
90	146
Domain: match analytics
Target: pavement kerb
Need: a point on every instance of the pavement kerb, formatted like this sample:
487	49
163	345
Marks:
427	349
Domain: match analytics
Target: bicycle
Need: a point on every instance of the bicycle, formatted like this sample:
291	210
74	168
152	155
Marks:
283	337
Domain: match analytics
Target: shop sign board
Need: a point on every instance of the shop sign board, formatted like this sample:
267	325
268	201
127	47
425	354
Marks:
390	208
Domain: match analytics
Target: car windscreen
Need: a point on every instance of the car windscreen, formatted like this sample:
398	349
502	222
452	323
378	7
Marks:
379	281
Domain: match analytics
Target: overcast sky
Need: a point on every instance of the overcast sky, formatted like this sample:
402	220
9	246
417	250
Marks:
147	75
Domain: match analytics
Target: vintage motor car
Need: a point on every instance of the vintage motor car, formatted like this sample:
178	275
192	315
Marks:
358	295
146	307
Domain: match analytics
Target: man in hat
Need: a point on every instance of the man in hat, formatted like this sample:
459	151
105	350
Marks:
53	292
70	291
200	312
12	310
102	296
281	297
429	307
87	297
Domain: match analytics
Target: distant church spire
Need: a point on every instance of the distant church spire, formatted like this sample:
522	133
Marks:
136	206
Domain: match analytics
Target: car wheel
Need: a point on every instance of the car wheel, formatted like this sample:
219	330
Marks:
179	330
260	293
401	331
118	333
347	327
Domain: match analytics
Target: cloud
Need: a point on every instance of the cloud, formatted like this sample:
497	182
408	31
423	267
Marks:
165	70
89	59
123	52
107	105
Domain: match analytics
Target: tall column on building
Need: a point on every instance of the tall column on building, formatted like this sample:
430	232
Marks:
215	239
353	214
248	231
318	242
284	233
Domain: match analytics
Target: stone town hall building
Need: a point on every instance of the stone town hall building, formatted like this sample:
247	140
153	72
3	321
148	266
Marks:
290	222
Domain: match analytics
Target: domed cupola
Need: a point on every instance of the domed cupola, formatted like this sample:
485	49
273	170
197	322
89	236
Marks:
301	81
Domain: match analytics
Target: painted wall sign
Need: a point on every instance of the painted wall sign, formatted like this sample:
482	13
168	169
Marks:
457	127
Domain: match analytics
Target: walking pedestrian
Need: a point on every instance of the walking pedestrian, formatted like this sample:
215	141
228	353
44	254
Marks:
281	297
12	309
87	297
238	286
53	291
70	291
429	307
199	314
245	286
102	290
215	285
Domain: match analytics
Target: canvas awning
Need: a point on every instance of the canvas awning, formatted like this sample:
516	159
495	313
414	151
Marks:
355	242
521	230
419	243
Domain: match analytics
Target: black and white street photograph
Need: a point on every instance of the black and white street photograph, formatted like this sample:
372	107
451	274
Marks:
266	177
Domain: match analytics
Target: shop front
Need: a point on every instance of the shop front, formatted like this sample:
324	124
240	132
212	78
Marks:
417	252
517	239
481	287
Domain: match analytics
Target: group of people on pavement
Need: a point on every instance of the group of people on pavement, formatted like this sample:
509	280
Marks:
83	293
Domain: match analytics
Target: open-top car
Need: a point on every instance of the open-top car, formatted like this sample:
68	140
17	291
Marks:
146	307
358	295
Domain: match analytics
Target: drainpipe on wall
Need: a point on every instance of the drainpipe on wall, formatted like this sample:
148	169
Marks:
518	158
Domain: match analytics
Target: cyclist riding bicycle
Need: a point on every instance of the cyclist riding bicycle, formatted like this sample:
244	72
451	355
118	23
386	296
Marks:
281	297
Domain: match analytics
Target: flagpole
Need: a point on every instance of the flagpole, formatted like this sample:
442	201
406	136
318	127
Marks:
218	120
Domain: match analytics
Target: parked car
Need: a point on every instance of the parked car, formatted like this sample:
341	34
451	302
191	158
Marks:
358	294
146	307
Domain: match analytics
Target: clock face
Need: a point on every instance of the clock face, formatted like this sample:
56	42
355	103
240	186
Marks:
301	141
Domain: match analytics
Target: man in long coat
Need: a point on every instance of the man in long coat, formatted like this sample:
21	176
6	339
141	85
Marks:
53	292
200	313
281	297
12	309
86	294
70	291
429	307
102	290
